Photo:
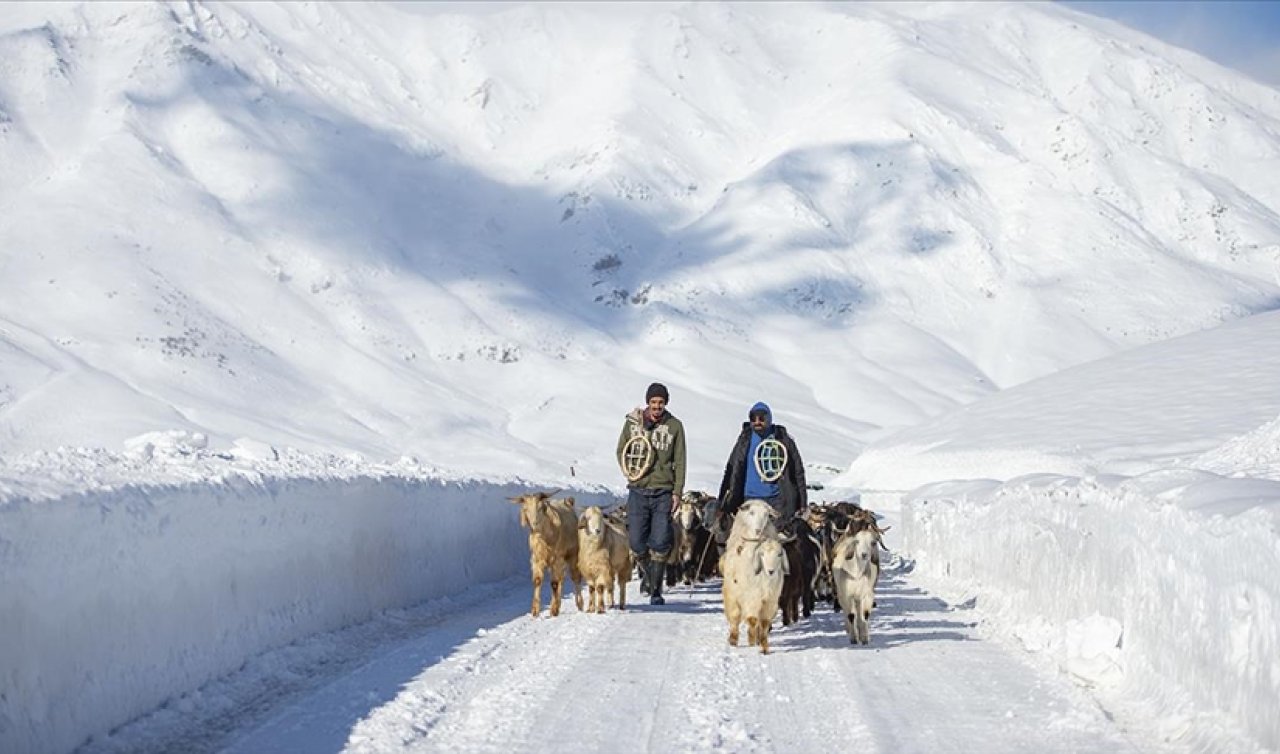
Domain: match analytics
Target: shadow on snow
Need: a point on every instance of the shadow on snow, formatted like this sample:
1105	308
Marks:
903	615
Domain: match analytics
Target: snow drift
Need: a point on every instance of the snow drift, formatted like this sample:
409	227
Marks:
116	599
1161	590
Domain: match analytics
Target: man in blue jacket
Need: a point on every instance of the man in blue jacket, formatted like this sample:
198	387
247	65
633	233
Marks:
753	453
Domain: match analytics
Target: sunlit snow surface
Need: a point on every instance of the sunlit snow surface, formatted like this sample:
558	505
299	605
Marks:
358	228
295	289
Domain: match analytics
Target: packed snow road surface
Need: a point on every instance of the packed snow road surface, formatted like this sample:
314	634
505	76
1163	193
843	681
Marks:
488	678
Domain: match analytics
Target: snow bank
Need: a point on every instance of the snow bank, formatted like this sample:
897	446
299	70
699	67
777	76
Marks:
1161	589
115	599
1255	454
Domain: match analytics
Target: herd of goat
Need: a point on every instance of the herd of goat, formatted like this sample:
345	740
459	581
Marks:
827	552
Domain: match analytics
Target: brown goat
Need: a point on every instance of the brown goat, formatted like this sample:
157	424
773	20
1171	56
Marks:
553	545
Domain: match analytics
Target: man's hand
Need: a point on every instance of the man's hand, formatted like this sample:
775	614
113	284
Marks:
675	501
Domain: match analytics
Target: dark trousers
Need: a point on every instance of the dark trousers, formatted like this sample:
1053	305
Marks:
649	522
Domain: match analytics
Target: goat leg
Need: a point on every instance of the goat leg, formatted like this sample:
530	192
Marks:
555	597
575	575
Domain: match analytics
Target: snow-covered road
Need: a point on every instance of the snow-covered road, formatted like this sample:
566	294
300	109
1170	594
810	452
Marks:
481	676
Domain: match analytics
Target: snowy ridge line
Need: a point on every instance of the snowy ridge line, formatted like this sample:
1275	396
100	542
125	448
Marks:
1161	590
114	600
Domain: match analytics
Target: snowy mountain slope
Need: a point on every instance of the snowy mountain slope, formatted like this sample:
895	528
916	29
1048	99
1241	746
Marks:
1203	401
389	230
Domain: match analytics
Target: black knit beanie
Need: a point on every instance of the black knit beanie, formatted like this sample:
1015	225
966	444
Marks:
657	389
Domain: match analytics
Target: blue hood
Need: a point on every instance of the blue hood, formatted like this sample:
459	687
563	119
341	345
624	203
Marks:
768	413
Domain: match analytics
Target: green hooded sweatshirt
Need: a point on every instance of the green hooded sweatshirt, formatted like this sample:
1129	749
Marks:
667	439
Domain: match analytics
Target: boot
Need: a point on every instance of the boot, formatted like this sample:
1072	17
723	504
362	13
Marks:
642	563
657	569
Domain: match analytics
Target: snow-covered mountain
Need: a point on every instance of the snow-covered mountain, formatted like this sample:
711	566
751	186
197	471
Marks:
411	230
293	297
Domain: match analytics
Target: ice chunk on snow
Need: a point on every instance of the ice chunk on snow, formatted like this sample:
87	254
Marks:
171	443
1093	650
246	449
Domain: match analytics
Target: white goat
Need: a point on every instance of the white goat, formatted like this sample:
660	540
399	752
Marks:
752	587
856	569
754	566
603	557
553	545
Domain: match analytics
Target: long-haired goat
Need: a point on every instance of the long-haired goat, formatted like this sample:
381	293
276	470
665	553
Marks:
804	559
754	566
603	558
553	545
690	559
752	586
856	569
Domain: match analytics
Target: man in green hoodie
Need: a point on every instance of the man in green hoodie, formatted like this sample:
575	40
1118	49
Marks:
651	451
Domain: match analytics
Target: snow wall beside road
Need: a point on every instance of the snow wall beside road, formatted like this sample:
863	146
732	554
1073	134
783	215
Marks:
113	601
1162	589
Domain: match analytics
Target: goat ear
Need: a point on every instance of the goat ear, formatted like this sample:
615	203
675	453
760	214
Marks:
516	500
570	501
